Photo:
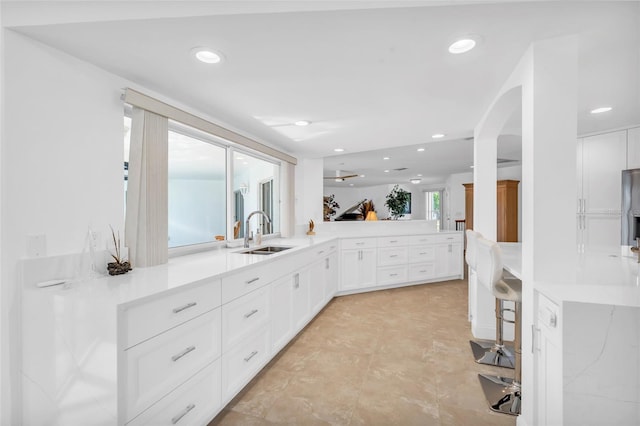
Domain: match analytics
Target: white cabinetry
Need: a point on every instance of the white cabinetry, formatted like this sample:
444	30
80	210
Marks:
633	148
601	160
358	263
548	363
169	340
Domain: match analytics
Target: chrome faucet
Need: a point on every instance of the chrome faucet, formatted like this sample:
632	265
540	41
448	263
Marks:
246	226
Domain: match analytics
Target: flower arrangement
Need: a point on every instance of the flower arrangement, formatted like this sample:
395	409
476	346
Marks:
120	266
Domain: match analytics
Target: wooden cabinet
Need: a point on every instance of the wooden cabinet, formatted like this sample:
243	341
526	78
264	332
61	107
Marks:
507	209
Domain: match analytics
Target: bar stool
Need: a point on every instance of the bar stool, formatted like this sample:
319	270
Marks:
489	352
502	393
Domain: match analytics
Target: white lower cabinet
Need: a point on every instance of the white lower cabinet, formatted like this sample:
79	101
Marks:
281	312
317	284
243	361
392	275
332	275
244	315
358	258
422	271
157	366
448	259
548	363
301	304
195	402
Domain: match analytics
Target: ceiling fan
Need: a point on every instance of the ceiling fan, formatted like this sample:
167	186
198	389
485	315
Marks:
340	178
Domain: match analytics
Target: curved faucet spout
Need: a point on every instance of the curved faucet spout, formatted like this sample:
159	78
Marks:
246	226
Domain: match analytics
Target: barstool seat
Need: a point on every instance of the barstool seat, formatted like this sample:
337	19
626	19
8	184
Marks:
502	393
489	352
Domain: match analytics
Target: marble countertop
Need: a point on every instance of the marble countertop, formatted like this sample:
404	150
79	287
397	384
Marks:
602	276
141	283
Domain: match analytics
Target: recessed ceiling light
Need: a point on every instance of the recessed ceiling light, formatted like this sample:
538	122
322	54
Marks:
245	163
419	175
339	180
438	136
239	158
302	123
338	149
386	171
350	184
361	175
420	149
462	46
385	158
601	110
206	55
415	181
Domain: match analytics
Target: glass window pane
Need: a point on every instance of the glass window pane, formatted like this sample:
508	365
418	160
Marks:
256	186
197	191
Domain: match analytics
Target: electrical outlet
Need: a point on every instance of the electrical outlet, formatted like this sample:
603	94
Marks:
36	245
94	239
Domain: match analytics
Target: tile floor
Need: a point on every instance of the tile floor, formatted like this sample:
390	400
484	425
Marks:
392	357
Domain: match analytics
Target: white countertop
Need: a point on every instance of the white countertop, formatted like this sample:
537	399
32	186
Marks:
602	276
141	283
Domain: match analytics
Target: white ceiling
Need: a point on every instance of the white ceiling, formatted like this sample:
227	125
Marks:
369	75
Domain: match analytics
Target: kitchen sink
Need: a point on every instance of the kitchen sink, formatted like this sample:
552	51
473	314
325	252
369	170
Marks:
267	250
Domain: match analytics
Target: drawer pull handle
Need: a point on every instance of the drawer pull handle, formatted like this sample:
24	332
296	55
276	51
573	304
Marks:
393	241
253	312
184	412
183	353
182	308
422	253
253	280
423	271
449	238
393	275
394	255
321	251
251	355
359	244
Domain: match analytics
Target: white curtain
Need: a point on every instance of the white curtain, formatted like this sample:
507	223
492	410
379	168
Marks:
146	223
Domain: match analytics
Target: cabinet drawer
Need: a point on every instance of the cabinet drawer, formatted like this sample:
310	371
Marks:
422	254
392	241
148	319
193	403
392	275
448	238
155	367
244	282
417	240
392	256
241	363
244	315
422	271
548	315
358	243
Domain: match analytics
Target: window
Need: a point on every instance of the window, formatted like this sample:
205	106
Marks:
198	179
256	187
197	190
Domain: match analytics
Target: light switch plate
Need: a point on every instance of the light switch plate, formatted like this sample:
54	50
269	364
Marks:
36	245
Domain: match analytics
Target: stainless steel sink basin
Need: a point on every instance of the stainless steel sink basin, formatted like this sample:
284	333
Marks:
267	250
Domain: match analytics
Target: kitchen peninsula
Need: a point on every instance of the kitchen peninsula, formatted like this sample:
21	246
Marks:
586	375
179	341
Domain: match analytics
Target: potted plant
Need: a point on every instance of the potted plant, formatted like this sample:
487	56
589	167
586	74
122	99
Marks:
330	207
397	202
119	266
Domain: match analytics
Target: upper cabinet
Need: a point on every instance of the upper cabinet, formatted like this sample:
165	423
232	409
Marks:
603	159
633	148
506	212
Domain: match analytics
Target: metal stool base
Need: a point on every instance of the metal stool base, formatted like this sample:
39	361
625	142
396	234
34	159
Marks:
502	394
487	352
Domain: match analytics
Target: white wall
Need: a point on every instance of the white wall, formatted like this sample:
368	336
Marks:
308	190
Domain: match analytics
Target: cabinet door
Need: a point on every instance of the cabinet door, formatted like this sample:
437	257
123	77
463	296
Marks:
455	259
316	286
442	260
633	148
367	268
281	313
331	276
604	157
301	308
349	272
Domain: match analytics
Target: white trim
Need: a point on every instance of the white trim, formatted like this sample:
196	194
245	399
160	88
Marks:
148	103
